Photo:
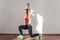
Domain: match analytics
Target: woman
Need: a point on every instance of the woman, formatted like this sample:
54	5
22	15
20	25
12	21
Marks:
27	22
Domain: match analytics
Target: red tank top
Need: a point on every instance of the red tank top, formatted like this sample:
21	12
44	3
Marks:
26	20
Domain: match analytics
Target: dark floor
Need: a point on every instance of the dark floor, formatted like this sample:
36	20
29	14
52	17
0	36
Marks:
51	37
44	37
7	36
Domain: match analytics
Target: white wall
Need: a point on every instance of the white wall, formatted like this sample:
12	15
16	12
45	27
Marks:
12	13
52	17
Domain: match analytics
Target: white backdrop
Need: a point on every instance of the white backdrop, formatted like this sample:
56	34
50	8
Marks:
12	13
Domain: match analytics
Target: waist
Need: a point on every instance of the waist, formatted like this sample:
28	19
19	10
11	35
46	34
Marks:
27	24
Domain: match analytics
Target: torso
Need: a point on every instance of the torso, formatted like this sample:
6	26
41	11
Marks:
27	20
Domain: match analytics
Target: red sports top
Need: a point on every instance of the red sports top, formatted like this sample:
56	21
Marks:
26	20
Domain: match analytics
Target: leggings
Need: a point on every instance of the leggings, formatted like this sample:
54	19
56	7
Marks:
29	27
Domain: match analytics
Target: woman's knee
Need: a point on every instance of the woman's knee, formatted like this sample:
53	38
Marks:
30	26
20	27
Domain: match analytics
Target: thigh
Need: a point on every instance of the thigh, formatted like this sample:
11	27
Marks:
26	27
29	26
21	26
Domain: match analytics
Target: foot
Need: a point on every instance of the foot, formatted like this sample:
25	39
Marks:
34	35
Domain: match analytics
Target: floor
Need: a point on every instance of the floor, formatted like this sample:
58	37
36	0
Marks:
51	37
44	37
7	36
